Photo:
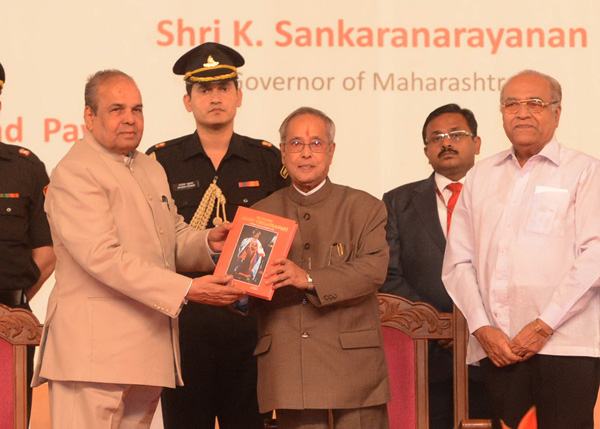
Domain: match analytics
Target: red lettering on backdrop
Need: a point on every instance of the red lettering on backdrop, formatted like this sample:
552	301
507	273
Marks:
162	29
239	33
69	133
13	133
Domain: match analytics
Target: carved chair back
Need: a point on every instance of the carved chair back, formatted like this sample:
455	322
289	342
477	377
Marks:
18	329
407	327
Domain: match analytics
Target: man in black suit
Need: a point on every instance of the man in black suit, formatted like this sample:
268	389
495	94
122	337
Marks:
419	216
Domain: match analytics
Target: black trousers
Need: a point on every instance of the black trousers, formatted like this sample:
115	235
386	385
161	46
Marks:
562	388
219	371
441	402
441	390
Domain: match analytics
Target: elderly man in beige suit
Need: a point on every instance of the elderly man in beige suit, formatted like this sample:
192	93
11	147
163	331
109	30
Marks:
320	345
110	340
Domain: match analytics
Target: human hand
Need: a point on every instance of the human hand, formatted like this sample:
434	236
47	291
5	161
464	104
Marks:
447	344
529	342
496	345
218	235
284	272
214	290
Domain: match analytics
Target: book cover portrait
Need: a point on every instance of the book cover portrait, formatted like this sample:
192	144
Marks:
256	239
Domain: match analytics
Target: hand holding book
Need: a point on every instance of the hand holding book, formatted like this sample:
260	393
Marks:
254	241
284	272
218	235
214	290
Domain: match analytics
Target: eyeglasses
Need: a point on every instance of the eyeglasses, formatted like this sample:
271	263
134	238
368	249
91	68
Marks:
534	105
317	146
453	136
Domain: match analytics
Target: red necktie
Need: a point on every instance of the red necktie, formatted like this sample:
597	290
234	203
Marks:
455	188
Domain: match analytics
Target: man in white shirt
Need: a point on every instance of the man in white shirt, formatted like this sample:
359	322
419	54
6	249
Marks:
522	264
416	232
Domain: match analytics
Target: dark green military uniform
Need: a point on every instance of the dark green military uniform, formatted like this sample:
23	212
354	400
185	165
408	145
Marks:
23	227
250	170
218	366
23	223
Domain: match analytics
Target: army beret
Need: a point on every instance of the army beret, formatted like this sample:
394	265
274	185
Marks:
209	62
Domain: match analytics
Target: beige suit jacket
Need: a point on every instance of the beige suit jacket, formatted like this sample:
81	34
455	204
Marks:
118	239
326	350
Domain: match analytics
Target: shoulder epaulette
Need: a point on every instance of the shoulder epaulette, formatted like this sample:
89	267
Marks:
23	153
263	144
166	144
151	152
157	146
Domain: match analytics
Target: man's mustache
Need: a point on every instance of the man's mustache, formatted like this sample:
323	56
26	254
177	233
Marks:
447	149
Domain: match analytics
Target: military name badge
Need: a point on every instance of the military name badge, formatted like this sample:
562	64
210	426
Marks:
186	185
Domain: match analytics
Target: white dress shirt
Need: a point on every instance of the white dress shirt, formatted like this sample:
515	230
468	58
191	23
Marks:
525	243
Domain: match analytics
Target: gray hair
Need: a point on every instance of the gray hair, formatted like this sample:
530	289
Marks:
94	82
555	86
329	125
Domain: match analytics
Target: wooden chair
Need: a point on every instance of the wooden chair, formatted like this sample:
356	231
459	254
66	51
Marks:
407	327
18	329
461	376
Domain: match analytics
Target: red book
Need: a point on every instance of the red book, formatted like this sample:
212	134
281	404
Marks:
256	239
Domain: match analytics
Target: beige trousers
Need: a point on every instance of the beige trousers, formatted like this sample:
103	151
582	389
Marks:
76	405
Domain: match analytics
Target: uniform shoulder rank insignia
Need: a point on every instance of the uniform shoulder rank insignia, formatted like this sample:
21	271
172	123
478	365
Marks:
267	144
283	172
24	152
157	146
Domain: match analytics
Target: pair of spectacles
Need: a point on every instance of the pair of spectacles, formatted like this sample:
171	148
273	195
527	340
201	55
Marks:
453	136
317	146
534	105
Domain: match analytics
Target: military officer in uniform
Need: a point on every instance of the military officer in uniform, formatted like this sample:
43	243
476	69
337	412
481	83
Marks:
25	242
212	172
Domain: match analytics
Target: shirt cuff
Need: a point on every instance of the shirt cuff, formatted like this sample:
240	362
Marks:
185	301
478	320
552	315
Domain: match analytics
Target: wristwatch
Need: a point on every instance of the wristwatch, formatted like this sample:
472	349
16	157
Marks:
539	330
311	285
